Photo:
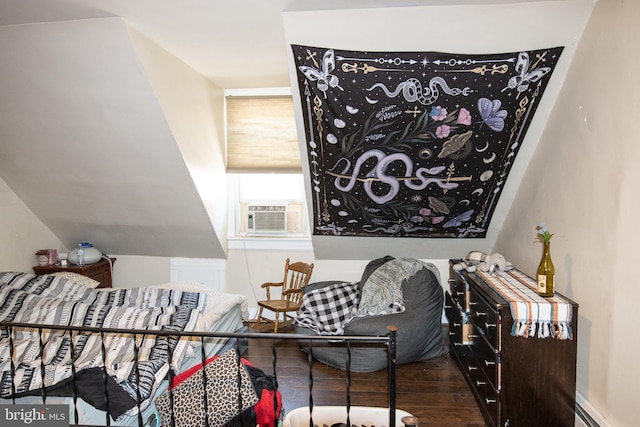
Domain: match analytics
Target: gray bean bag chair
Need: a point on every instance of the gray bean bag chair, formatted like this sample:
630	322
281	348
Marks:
419	334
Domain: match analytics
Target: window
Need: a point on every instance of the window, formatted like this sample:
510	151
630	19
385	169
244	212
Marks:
266	185
268	205
261	135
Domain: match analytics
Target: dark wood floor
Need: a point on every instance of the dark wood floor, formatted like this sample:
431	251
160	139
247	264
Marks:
433	390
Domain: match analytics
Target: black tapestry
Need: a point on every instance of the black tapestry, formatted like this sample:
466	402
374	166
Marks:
414	144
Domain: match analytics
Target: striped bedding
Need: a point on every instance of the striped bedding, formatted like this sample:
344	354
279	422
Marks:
47	299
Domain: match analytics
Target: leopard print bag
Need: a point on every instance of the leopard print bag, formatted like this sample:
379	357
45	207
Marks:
222	394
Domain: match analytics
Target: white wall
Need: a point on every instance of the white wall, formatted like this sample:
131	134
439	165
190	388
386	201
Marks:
87	146
583	181
21	233
194	109
135	271
249	267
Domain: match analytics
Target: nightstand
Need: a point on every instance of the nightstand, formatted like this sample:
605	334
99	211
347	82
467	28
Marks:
100	271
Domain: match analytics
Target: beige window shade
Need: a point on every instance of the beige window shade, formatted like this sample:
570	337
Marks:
261	135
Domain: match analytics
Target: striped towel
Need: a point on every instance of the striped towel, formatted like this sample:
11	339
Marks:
532	314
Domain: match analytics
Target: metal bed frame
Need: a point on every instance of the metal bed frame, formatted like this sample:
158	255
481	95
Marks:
233	339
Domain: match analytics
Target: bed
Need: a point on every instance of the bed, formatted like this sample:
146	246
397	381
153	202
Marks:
114	357
70	301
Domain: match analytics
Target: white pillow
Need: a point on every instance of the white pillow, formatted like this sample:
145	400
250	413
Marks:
78	278
217	302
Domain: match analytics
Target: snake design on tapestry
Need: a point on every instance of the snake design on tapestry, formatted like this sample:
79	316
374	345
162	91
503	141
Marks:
378	173
412	90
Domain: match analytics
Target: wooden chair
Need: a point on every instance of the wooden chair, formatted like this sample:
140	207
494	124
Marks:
296	276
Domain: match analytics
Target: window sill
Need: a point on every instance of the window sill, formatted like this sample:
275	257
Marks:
270	243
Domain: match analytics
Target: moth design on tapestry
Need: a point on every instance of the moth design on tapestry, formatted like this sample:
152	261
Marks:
414	144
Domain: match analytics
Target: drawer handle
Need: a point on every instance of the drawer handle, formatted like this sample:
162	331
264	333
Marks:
481	382
472	368
489	363
457	325
490	325
457	343
460	294
479	313
451	334
448	306
489	401
473	336
473	303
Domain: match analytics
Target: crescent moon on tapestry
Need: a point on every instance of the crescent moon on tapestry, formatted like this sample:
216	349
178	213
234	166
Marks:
480	150
490	159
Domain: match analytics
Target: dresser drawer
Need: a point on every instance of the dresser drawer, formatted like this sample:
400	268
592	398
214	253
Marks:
487	395
486	319
459	290
486	360
460	328
489	400
454	317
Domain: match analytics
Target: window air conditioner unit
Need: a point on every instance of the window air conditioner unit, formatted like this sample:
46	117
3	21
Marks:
267	219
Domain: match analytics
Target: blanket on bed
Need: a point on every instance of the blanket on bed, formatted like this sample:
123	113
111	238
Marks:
46	299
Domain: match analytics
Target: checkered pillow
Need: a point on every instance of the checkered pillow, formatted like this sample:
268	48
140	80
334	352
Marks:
328	309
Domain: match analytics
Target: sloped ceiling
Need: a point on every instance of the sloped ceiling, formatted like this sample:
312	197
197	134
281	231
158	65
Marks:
87	147
88	143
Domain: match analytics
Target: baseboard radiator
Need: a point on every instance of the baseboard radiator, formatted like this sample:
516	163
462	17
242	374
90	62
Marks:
583	419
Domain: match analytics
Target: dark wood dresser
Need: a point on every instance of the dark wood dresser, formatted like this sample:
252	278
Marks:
100	271
517	381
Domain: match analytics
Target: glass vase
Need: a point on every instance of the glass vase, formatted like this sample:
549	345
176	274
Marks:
546	272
